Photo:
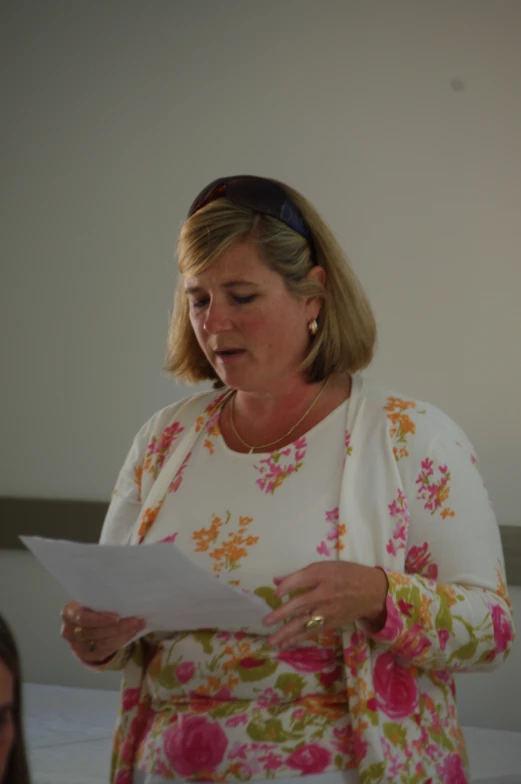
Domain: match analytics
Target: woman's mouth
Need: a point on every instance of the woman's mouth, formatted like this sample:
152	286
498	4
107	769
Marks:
227	355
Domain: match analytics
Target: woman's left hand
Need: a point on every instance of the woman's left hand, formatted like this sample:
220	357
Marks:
340	592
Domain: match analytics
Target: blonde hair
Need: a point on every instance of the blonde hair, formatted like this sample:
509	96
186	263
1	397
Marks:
346	335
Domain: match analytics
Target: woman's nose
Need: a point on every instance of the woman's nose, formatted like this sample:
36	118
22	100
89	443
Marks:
217	318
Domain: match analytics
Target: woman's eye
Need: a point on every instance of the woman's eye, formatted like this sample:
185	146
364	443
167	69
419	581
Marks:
199	303
244	300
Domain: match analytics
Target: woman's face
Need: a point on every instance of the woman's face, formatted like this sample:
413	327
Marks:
252	330
6	717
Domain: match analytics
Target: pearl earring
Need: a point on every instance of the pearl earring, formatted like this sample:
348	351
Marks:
313	327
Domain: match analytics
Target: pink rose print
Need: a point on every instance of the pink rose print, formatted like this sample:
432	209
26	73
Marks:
129	699
443	637
175	484
170	538
194	745
359	745
453	771
434	494
502	629
158	448
238	750
334	536
330	677
413	642
235	721
308	759
399	510
419	561
393	624
273	472
271	761
185	671
396	689
307	659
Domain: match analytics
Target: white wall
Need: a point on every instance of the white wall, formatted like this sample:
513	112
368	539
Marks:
401	121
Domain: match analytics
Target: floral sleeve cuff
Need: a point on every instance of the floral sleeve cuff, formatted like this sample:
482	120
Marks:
426	624
115	662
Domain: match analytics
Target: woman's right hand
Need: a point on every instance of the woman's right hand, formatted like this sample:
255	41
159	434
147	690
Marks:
96	636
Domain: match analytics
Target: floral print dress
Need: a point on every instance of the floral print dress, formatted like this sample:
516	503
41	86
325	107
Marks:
394	484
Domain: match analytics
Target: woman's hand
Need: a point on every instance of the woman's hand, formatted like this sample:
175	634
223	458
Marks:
96	636
341	592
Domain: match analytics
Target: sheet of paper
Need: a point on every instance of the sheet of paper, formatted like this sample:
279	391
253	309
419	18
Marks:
153	581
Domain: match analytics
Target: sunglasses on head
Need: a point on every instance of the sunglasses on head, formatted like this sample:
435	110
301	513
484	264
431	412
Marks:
258	194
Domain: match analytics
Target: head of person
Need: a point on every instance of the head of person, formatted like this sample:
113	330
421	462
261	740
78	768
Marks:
13	760
264	291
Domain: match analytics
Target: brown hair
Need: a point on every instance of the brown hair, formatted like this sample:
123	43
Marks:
346	335
17	771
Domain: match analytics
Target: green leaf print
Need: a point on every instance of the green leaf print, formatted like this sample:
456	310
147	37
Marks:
270	730
137	654
290	684
204	638
442	740
444	618
227	709
278	709
167	677
253	669
467	651
395	734
267	593
410	595
339	762
374	774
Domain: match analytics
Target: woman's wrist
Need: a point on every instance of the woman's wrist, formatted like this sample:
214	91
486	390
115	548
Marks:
377	615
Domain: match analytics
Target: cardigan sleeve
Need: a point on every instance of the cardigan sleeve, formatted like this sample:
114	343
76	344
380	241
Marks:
450	609
122	515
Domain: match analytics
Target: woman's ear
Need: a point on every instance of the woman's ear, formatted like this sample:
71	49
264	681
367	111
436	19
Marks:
318	274
314	304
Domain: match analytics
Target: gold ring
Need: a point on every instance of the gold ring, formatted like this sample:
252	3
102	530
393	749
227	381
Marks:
77	631
314	621
92	646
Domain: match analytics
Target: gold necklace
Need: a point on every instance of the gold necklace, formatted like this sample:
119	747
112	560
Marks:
272	443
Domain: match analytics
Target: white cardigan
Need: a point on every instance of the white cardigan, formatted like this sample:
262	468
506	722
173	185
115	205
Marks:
414	503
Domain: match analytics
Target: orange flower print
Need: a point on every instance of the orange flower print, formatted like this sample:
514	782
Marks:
333	542
434	493
138	477
229	551
159	448
501	588
147	521
401	424
274	472
213	430
209	412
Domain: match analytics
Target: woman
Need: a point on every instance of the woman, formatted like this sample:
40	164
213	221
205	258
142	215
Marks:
358	515
13	760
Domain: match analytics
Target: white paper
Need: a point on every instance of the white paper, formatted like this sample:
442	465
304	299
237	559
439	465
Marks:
155	582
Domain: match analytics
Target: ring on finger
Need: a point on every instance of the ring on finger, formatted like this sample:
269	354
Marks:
315	620
77	631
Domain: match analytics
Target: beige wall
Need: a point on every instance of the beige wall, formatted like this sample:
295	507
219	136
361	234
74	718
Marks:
402	123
